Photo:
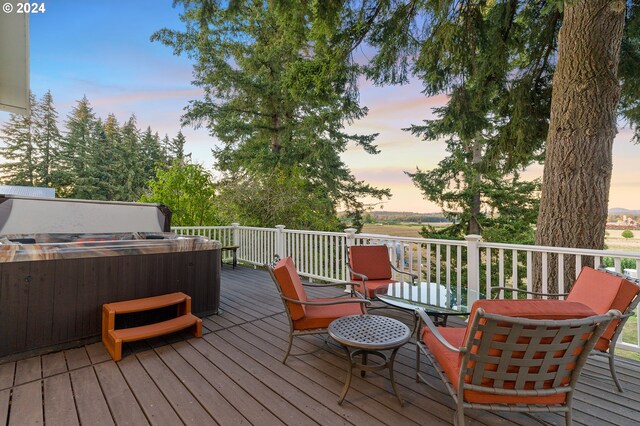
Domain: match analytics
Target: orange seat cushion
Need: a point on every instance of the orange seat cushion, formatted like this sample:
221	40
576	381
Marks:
373	286
320	316
372	261
450	363
538	309
291	285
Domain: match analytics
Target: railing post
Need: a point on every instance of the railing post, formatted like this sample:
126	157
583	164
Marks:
351	236
235	234
280	241
473	268
350	240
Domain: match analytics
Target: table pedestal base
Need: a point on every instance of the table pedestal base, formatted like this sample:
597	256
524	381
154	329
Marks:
384	362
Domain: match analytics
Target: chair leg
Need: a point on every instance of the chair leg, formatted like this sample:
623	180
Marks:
284	360
417	363
612	366
458	418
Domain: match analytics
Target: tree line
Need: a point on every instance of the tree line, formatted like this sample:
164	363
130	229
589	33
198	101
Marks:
89	158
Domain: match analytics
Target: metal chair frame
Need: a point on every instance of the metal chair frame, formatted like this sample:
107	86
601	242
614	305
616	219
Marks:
610	353
364	278
292	331
537	364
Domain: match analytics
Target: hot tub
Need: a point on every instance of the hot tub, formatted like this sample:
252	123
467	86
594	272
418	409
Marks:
53	285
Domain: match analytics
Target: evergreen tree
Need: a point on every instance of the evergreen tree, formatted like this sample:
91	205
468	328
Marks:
165	149
493	60
131	171
47	141
74	149
176	147
278	90
19	148
96	182
151	154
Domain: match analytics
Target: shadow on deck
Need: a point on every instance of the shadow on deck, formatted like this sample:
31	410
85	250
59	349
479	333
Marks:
233	375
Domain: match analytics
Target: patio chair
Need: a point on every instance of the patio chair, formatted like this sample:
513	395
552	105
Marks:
308	316
602	290
371	268
503	363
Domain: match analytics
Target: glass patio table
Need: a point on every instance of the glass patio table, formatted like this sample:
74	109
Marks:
431	297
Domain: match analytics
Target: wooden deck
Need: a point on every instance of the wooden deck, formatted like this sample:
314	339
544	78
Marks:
233	375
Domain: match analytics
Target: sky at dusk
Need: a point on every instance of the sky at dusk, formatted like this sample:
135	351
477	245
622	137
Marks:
101	49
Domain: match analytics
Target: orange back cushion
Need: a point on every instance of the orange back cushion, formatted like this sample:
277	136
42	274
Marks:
596	289
372	261
289	280
625	296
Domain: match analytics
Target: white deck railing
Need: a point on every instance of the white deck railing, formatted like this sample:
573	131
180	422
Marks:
462	269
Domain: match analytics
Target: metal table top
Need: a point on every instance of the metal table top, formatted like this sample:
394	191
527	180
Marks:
370	332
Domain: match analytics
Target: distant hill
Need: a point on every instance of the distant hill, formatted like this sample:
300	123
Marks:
389	216
620	211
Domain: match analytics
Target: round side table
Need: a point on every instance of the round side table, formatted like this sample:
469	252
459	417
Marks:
368	335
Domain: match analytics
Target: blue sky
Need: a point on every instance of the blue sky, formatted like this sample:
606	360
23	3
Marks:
101	49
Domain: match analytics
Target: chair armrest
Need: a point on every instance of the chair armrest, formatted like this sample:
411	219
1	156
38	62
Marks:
333	302
434	330
414	277
325	285
352	272
528	292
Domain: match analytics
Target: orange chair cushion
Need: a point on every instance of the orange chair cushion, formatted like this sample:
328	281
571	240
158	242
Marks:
289	280
533	309
596	289
372	261
319	316
373	286
450	363
602	291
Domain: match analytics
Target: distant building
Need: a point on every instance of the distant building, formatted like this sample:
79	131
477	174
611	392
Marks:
28	191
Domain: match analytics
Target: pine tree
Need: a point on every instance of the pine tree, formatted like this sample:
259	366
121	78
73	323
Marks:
131	170
151	154
176	150
74	148
19	148
279	89
47	141
96	182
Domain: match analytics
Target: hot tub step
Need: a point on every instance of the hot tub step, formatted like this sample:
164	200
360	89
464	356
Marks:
113	338
157	329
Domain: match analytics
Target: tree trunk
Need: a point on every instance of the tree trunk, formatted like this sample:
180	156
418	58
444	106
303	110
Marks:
577	170
476	200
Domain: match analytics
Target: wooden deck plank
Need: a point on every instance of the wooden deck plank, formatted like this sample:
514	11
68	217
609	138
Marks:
154	404
7	373
97	353
59	404
77	358
26	405
5	395
122	404
183	402
53	363
242	400
210	399
278	405
90	403
28	370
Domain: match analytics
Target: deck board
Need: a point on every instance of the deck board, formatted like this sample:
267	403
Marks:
234	375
